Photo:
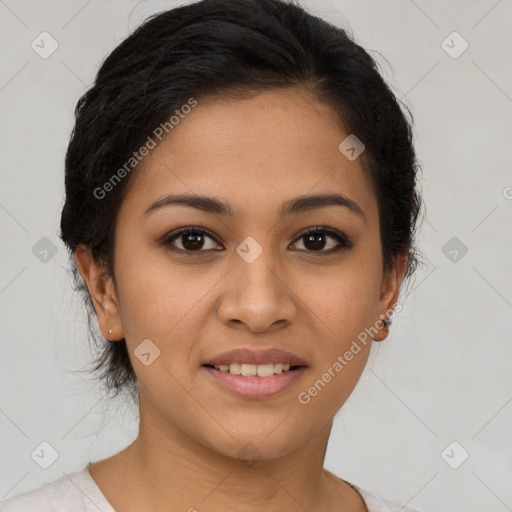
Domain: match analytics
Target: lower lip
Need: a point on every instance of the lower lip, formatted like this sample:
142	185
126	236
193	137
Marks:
254	386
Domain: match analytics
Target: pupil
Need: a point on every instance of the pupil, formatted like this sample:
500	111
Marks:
310	241
192	241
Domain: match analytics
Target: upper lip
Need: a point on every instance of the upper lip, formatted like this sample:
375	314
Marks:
249	356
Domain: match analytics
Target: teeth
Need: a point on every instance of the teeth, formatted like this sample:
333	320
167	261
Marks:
265	370
234	368
248	370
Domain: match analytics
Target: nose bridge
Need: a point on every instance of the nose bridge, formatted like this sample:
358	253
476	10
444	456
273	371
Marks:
256	295
257	268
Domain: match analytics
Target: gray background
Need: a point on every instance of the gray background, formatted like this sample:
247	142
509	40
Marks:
444	373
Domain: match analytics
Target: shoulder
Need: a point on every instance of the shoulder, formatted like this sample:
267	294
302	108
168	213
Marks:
376	503
76	491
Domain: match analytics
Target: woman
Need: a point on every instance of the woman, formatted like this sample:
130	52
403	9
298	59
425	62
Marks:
241	204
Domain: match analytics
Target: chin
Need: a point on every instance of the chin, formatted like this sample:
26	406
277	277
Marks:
251	445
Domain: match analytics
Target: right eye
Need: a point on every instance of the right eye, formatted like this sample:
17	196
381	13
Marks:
191	239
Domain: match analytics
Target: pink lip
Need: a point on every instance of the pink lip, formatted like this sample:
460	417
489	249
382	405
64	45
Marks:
256	387
247	356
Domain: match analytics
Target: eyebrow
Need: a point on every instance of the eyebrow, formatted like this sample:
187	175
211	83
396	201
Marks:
296	205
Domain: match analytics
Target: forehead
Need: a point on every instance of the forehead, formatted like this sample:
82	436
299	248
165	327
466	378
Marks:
254	152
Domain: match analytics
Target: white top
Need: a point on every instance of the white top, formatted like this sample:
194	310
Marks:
78	492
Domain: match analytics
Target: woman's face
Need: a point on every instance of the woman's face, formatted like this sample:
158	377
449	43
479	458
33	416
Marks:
258	279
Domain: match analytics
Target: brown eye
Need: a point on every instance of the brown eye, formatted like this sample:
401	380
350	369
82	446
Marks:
192	239
317	239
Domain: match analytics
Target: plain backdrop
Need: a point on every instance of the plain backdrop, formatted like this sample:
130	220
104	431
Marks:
436	391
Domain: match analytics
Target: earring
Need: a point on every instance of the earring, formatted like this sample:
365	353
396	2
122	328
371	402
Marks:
387	322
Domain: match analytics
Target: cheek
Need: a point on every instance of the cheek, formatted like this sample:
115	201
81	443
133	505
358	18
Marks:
156	293
343	299
344	307
167	303
160	303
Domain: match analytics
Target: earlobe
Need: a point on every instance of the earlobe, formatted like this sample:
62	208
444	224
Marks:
390	291
101	290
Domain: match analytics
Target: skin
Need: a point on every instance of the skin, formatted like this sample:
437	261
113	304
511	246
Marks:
255	154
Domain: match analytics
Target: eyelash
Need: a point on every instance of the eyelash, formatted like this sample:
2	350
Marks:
343	241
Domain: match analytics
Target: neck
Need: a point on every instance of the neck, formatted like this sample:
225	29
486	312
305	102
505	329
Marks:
165	469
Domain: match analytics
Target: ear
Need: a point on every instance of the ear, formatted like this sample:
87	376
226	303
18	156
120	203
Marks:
102	291
390	290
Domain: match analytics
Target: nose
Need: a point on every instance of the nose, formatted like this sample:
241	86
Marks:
256	296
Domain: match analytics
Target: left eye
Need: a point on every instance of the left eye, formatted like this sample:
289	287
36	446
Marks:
314	240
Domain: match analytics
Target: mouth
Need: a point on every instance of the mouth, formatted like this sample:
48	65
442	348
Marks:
255	374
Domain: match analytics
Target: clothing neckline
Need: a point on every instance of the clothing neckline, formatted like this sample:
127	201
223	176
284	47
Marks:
92	490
